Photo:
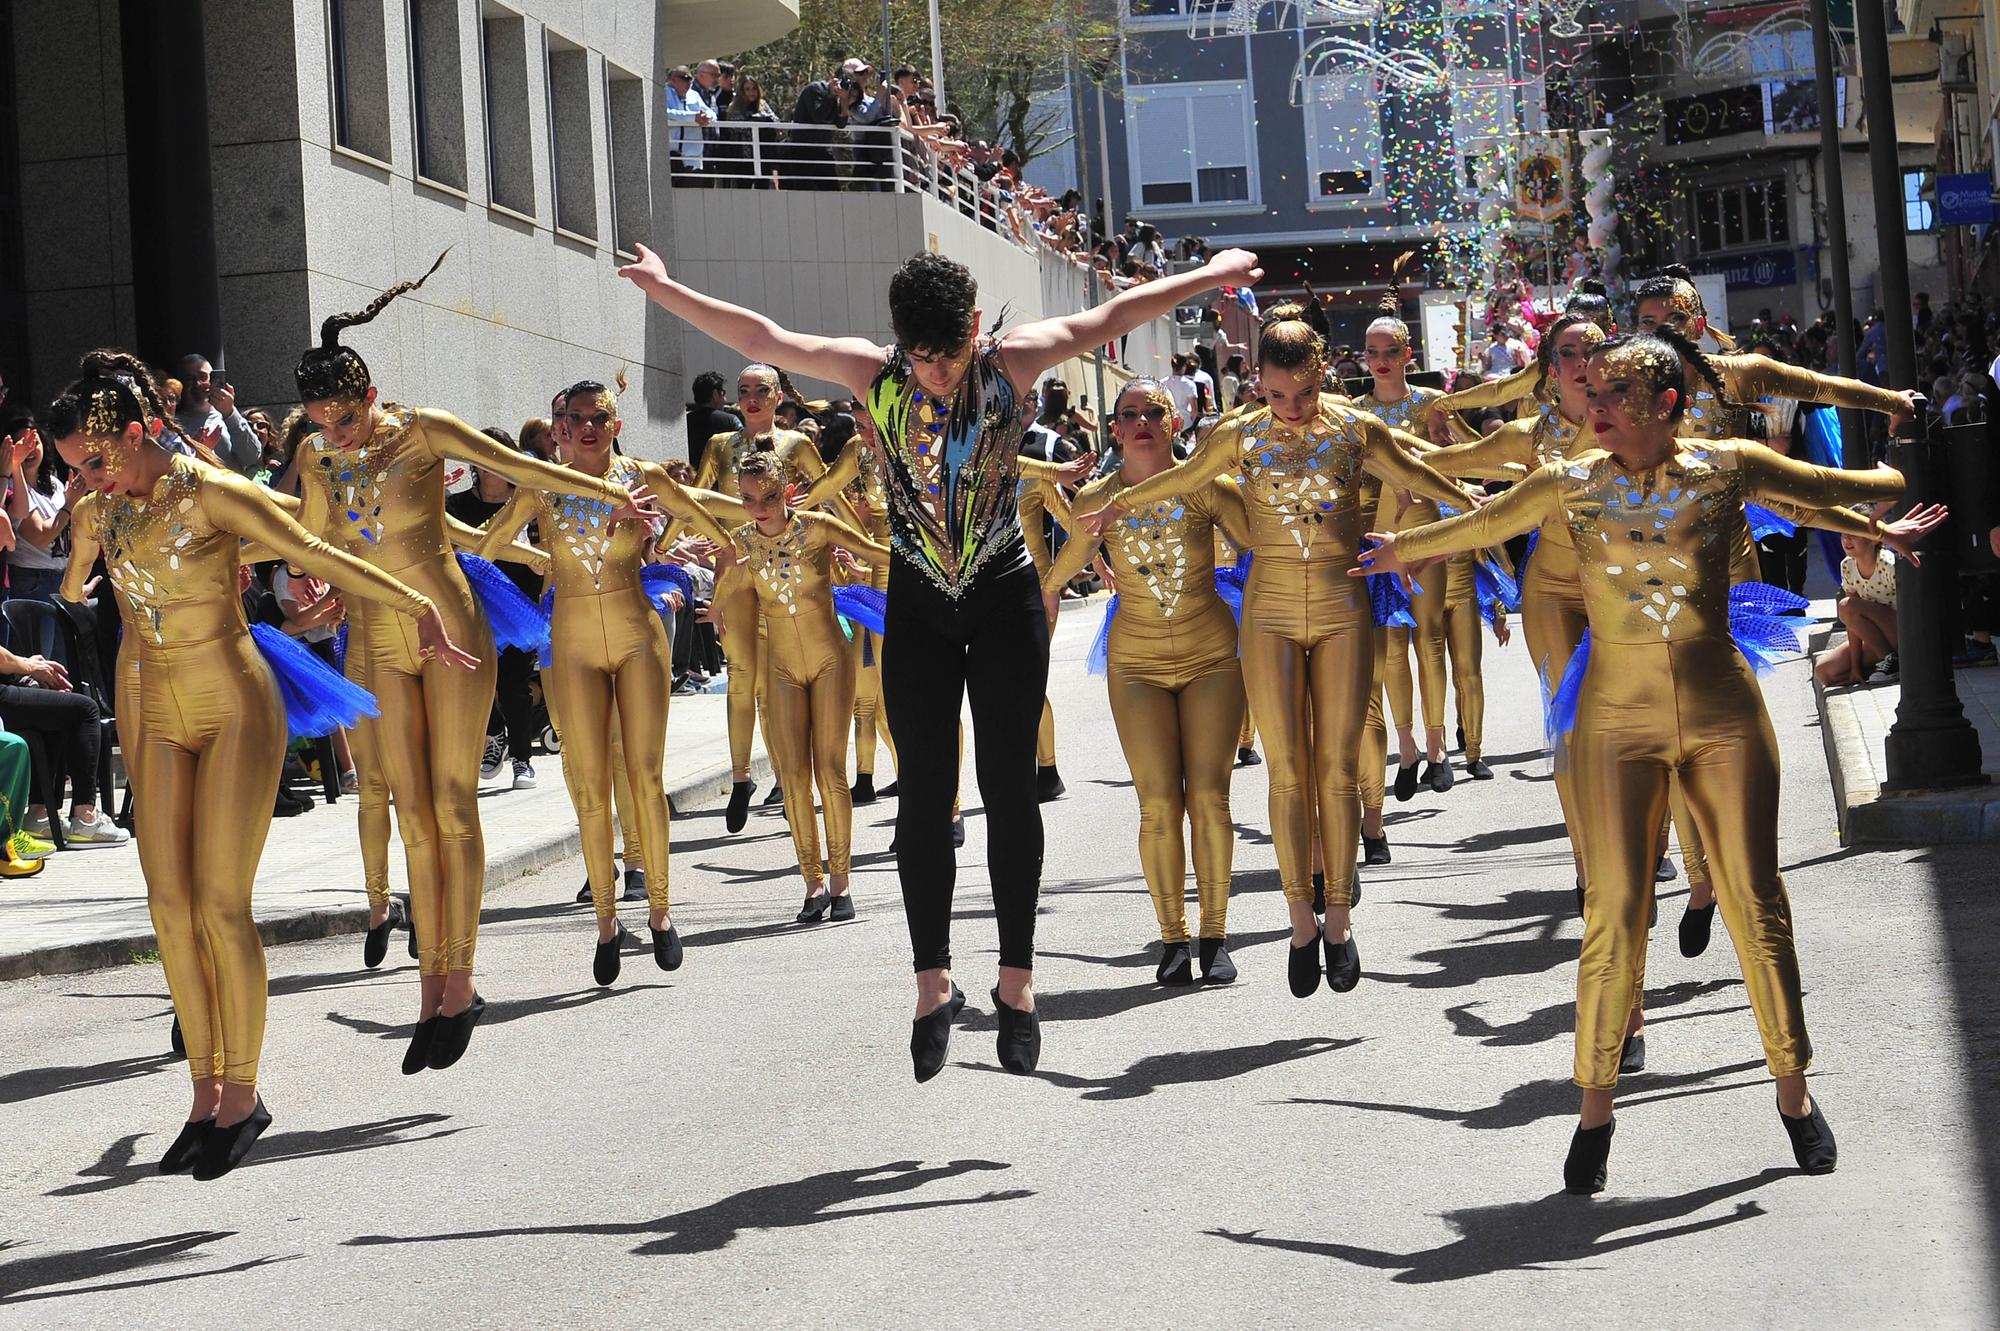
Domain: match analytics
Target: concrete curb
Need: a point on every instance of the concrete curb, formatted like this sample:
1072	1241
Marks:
704	789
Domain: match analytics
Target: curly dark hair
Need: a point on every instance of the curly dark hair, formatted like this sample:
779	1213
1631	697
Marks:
931	299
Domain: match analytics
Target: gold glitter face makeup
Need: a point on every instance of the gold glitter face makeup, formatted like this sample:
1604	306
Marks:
1626	380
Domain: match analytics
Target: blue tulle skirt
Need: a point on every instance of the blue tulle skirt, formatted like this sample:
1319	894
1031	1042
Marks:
862	606
1390	602
516	621
1495	588
318	701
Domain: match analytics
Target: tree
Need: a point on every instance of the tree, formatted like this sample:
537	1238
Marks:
998	54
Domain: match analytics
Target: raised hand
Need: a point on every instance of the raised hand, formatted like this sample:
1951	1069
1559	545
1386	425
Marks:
1382	558
648	270
1904	533
643	508
1235	268
1079	468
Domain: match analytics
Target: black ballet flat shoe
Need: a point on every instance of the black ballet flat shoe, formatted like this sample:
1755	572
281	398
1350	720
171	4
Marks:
1302	968
887	792
815	907
843	907
454	1034
777	796
409	923
1812	1141
1406	783
930	1036
1247	757
1020	1040
418	1056
667	951
375	946
222	1149
1176	964
1695	928
1632	1058
958	832
180	1157
1375	849
1343	964
863	790
1664	871
1319	894
1438	776
1048	784
738	812
1216	967
583	893
635	885
176	1041
1585	1171
1478	770
606	962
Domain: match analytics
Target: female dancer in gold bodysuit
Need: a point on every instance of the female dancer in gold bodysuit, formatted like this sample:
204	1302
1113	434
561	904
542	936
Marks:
1175	685
610	664
1521	390
809	688
373	483
1308	638
1667	691
757	394
213	729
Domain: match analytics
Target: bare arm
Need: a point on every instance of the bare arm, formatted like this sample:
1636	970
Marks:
1032	349
852	361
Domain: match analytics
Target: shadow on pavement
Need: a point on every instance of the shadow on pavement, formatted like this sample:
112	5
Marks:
1537	1100
1187	1067
34	1083
1962	878
1478	843
1559	1019
813	1200
120	1165
499	1011
1523	949
27	1279
1531	1236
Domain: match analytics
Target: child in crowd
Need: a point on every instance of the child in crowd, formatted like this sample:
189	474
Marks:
1868	610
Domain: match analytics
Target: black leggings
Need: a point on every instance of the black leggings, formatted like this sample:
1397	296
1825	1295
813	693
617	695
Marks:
991	644
70	722
513	707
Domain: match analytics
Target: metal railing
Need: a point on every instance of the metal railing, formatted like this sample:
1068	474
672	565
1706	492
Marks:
766	154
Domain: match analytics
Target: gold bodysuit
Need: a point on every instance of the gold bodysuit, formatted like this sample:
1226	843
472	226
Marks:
1308	635
808	687
1667	693
610	663
383	502
1175	685
205	757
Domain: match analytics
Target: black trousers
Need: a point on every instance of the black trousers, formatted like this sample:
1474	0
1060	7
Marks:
992	645
1781	560
513	708
70	722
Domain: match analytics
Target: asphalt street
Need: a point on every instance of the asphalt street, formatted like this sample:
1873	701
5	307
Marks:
740	1143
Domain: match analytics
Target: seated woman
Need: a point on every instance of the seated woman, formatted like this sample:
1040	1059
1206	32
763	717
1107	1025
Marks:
35	699
1868	609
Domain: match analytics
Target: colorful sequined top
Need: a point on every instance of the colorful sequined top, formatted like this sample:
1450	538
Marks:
172	556
1301	483
1751	377
1163	556
792	572
384	500
1654	551
588	554
952	469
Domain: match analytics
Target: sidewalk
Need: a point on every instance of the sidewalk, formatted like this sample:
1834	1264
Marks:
1854	724
88	908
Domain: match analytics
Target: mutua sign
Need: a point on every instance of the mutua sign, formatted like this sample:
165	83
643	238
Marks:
1965	200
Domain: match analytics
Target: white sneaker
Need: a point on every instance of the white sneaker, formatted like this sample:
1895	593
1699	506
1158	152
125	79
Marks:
491	760
36	827
99	831
524	775
350	782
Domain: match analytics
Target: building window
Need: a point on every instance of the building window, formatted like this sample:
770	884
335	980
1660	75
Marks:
1919	212
503	58
357	51
571	151
1344	139
1189	145
631	183
437	95
1739	216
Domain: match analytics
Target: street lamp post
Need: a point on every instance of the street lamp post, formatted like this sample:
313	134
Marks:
1931	745
1834	195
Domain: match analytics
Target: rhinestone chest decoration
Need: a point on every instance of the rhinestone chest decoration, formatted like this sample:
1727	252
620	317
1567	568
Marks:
779	563
1399	413
1301	480
358	477
1708	419
1641	527
582	527
1153	547
144	542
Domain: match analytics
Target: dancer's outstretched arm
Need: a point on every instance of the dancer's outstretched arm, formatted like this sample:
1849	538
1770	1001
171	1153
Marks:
852	361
